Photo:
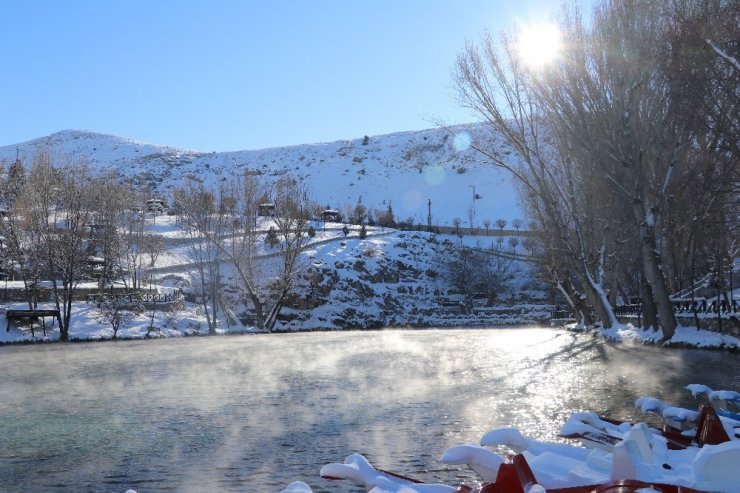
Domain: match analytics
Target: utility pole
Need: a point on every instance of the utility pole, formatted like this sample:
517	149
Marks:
472	207
429	214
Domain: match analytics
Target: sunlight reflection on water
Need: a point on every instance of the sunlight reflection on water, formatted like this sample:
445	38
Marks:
255	413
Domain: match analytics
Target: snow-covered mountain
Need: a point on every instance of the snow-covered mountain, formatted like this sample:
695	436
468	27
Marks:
405	169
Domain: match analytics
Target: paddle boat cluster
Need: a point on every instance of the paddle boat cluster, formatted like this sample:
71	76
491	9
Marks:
694	451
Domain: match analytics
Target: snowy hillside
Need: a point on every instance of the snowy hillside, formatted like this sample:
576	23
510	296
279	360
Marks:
400	278
390	278
406	169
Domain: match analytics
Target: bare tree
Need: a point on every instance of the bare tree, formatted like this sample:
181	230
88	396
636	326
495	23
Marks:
385	218
109	201
643	100
205	227
472	272
529	244
495	274
114	313
131	228
501	223
513	242
238	236
358	214
492	82
461	270
292	221
59	213
457	221
22	243
622	106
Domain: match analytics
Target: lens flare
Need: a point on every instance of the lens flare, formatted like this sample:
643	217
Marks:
412	200
462	141
539	44
434	175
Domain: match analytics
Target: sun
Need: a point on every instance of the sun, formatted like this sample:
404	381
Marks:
539	44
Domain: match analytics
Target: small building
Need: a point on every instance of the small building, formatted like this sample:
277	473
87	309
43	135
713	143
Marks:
98	230
156	205
266	210
331	216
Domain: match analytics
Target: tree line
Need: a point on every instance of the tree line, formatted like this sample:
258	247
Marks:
65	225
627	146
62	224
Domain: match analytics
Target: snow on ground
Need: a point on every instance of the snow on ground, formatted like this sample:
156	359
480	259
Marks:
688	336
384	248
88	324
360	265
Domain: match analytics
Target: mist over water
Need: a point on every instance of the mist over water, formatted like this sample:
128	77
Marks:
253	413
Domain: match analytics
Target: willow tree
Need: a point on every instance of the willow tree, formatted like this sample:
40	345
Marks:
628	99
493	81
642	100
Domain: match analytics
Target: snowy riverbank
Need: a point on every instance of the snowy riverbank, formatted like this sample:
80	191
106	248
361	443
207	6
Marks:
684	337
88	325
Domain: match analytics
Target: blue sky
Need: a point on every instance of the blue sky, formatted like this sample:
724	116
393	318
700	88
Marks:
230	75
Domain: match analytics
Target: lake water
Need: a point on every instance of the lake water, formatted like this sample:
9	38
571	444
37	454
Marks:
253	413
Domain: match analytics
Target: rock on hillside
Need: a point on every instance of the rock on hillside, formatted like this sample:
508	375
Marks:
397	280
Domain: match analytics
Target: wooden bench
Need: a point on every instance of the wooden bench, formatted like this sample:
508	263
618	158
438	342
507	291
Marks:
33	316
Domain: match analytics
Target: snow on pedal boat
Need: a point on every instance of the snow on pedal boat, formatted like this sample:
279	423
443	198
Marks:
635	465
514	476
675	417
719	399
709	428
620	457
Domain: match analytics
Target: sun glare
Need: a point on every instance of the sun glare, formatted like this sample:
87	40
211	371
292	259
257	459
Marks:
539	44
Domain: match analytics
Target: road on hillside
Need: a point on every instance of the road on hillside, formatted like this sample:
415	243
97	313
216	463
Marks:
179	268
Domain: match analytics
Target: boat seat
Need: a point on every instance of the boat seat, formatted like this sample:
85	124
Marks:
718	463
640	434
633	457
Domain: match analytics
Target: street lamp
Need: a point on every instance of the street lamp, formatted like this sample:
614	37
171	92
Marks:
472	207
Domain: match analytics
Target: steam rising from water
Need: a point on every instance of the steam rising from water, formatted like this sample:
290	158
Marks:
254	413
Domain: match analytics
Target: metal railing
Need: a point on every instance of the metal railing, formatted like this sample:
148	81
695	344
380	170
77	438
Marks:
681	307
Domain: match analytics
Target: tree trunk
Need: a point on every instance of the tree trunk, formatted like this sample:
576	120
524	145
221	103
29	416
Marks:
215	289
691	284
614	288
653	273
576	301
596	297
649	317
67	312
275	311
